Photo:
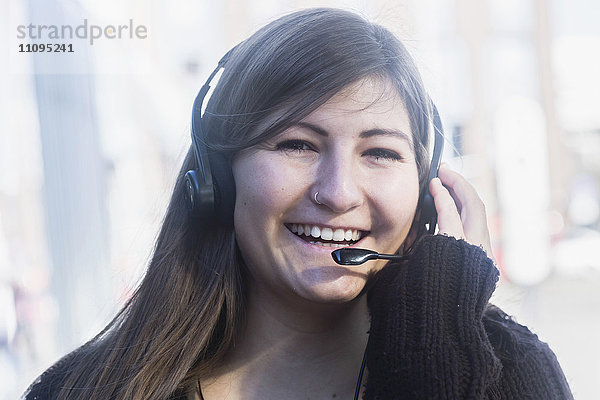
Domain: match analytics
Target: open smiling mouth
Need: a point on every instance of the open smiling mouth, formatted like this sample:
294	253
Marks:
324	236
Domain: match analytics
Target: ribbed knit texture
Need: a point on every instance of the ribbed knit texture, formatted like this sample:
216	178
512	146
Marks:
530	369
428	339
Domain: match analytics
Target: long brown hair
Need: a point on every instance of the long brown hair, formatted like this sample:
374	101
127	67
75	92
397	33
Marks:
187	311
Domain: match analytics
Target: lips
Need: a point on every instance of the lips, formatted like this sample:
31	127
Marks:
326	236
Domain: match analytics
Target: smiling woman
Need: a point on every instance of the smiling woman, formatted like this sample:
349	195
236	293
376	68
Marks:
315	137
352	152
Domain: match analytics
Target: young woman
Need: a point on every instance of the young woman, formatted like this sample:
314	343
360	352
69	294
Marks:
316	137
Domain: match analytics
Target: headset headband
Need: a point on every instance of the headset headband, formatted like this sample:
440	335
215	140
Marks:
211	188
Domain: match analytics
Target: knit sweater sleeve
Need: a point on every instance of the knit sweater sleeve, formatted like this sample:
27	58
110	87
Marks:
433	335
530	369
427	339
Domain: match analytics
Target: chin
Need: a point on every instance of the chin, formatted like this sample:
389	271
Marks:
338	285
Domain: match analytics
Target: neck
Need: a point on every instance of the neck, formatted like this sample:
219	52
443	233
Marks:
310	351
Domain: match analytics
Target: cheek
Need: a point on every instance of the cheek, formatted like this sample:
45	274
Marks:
398	193
263	191
397	200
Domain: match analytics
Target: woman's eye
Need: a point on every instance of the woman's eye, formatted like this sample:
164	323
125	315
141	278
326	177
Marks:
294	145
383	154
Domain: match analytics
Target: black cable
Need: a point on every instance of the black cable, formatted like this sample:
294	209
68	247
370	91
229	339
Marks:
360	375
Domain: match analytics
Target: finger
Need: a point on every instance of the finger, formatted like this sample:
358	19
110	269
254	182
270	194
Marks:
470	208
449	221
460	189
469	205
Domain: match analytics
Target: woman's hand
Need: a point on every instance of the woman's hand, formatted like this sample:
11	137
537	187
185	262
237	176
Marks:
461	213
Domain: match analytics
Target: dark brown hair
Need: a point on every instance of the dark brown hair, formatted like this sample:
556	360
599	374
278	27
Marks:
190	305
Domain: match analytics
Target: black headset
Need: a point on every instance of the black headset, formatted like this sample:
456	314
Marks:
210	188
428	212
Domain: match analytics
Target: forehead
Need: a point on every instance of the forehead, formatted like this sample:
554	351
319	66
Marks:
371	103
365	93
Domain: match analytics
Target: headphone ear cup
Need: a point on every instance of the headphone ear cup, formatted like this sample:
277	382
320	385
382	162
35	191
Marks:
199	197
210	189
428	212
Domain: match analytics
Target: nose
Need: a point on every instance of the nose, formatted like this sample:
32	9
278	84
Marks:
339	185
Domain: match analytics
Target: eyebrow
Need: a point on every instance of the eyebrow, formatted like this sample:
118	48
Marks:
364	134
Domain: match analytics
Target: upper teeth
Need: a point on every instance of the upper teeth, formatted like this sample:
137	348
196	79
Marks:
325	233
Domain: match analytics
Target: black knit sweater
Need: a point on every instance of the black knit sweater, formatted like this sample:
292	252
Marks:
433	335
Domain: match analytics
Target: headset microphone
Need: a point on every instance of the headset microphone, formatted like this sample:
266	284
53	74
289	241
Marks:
355	256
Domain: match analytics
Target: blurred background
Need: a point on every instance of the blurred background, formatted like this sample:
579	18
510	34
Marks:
91	141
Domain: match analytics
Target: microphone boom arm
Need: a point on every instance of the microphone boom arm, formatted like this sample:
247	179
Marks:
355	256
